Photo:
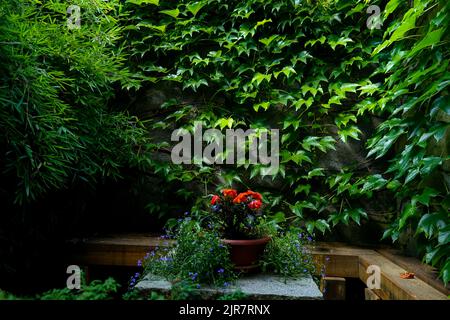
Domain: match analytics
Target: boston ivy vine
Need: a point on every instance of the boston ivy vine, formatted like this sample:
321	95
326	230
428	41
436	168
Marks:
314	70
415	56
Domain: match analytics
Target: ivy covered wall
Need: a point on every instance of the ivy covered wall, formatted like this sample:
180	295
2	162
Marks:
363	112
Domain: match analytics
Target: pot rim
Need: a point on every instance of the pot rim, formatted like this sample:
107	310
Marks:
246	242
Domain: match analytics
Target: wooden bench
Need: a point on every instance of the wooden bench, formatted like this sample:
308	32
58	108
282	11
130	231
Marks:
340	260
332	259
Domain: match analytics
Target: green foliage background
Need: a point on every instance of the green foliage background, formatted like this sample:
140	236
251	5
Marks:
310	68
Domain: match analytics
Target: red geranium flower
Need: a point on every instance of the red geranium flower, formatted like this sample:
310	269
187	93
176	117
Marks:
215	199
255	195
255	204
231	193
241	197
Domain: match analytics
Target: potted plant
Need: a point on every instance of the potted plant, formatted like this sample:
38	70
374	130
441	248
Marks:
201	249
241	219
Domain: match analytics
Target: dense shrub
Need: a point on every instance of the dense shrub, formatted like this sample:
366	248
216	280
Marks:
56	128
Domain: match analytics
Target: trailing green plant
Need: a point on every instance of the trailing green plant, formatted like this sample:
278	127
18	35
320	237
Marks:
287	254
197	258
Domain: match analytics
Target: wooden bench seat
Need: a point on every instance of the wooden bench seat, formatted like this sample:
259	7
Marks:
334	259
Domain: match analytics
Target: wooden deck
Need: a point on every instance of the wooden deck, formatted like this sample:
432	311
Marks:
334	259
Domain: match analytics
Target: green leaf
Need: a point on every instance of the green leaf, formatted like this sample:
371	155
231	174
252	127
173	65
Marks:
305	188
309	142
409	211
436	254
342	119
302	56
429	164
445	272
351	131
224	122
340	42
390	7
278	217
312	42
441	103
322	225
265	105
432	38
347	214
262	22
356	215
267	41
310	226
259	77
195	7
141	2
173	13
444	236
382	146
393	185
316	172
305	89
428	193
299	157
374	182
392	233
358	9
411	175
161	28
430	223
287	71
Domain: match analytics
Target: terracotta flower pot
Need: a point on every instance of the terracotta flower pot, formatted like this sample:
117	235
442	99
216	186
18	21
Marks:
245	253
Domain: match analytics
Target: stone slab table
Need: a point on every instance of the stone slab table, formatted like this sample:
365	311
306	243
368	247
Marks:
257	287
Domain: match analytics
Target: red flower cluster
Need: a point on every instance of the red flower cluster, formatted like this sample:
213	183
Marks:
215	199
230	193
237	215
255	204
251	198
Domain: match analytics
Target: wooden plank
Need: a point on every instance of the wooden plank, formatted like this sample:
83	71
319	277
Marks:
115	250
422	271
108	258
334	259
395	287
118	241
333	288
371	295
